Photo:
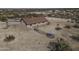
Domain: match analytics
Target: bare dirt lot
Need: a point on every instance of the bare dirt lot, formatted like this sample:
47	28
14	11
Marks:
27	39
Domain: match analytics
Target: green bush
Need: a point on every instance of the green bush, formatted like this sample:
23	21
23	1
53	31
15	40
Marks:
60	45
3	19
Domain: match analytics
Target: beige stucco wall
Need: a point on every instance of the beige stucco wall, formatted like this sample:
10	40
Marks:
37	25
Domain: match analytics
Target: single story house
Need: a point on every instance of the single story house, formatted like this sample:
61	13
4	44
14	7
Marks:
35	21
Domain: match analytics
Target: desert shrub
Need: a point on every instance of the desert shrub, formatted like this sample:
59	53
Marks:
53	46
67	26
9	38
77	21
58	28
72	21
68	21
76	26
3	19
34	15
59	46
75	37
57	24
48	23
49	15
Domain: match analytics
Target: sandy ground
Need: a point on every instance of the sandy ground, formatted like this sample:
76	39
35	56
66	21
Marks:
27	39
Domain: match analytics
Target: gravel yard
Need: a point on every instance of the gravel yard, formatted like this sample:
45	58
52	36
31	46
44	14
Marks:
26	39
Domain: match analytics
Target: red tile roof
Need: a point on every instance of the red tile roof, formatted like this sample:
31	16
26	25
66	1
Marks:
34	20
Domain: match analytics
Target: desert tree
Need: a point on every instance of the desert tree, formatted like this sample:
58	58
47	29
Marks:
4	19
